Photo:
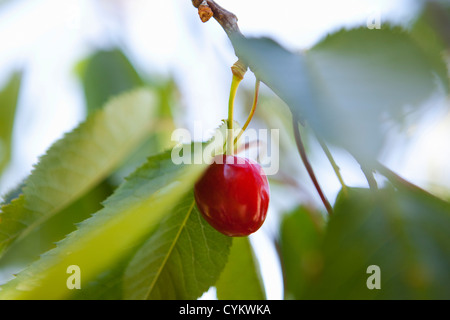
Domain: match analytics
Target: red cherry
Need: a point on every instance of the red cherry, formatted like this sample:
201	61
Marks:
233	195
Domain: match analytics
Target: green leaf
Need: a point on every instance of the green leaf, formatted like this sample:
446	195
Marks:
241	279
284	72
403	231
101	244
161	137
22	253
12	194
351	84
78	162
300	243
102	240
106	74
181	260
430	31
8	102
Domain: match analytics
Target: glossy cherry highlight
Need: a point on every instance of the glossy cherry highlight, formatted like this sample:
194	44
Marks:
233	195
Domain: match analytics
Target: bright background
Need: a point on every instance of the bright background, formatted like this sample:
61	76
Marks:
48	37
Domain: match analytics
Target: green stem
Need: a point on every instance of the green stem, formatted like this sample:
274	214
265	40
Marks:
252	111
333	163
230	137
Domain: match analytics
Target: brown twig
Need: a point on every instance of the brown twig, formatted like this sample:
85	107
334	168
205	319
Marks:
309	169
225	18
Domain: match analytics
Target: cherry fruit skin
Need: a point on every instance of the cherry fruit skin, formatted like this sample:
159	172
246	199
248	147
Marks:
233	195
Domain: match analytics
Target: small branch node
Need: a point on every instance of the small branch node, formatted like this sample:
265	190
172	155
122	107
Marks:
239	69
226	19
204	11
197	3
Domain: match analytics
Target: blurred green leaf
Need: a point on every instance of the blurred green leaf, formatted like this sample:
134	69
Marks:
300	245
77	162
351	83
128	216
12	194
8	102
181	260
101	243
403	231
431	31
241	279
282	71
109	283
106	74
160	138
43	238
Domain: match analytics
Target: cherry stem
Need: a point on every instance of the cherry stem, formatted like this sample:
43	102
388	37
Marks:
230	137
252	111
309	169
332	162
